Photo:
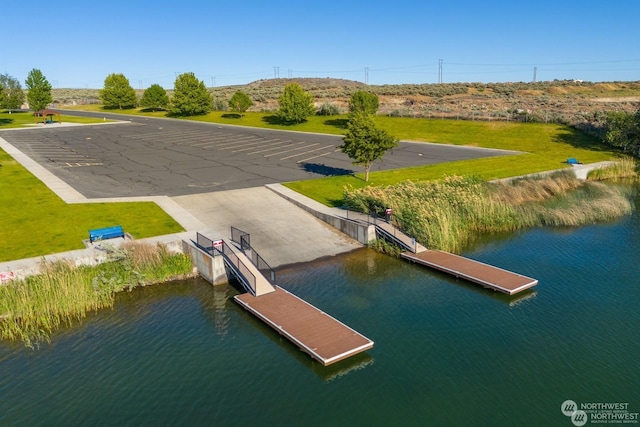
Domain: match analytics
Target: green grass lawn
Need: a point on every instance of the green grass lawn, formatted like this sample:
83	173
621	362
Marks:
544	146
34	221
547	147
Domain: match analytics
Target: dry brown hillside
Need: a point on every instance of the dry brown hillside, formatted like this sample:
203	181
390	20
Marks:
556	101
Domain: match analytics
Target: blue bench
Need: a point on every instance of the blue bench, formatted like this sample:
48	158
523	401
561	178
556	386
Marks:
106	233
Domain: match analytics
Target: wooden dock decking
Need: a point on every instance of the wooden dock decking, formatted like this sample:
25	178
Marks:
316	333
474	271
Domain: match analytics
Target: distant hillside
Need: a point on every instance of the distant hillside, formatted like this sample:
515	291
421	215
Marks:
563	101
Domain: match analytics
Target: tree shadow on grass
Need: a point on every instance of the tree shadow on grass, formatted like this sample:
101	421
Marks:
275	120
322	169
231	116
5	122
115	107
337	123
579	139
152	110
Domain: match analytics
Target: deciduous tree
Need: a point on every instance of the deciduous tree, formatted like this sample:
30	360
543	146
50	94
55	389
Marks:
296	105
118	93
39	90
366	102
190	96
623	130
155	98
240	102
364	143
13	95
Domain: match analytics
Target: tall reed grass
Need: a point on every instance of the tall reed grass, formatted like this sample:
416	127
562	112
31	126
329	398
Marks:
450	213
623	169
31	309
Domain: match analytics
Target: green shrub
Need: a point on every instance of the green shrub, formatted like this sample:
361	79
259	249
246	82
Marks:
328	109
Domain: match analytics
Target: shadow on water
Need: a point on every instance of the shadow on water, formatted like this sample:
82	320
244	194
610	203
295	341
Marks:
322	169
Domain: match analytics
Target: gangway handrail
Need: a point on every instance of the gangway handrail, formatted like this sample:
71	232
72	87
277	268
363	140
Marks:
207	245
243	239
243	271
393	238
218	247
379	222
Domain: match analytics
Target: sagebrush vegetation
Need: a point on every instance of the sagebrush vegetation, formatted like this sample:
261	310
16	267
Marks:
564	102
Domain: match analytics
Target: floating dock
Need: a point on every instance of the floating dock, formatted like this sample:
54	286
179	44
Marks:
316	333
474	271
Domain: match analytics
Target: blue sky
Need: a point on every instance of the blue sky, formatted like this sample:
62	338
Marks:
76	44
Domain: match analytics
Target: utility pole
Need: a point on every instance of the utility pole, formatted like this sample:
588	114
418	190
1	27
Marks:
535	69
366	75
439	70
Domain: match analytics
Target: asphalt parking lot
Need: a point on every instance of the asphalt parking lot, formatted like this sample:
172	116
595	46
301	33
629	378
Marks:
153	157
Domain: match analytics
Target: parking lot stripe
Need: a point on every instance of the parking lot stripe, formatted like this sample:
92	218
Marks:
319	155
277	147
305	152
293	149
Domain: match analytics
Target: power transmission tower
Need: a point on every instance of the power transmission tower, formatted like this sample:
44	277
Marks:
276	72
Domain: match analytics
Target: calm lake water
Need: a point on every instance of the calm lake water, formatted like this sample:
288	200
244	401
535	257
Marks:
446	353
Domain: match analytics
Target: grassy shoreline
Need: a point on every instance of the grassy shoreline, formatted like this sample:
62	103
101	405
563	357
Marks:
32	308
449	214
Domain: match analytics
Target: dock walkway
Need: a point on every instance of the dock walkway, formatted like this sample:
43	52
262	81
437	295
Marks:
474	271
316	333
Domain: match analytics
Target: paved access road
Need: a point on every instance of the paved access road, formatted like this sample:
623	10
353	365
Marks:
151	157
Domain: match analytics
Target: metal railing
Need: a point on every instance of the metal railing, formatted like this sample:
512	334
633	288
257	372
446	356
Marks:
244	240
206	244
242	271
379	222
241	237
262	266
